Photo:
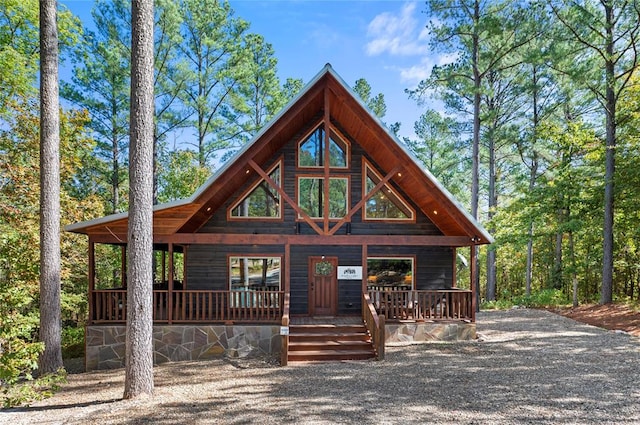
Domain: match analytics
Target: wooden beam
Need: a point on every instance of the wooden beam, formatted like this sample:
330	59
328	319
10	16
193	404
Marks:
359	205
269	239
286	197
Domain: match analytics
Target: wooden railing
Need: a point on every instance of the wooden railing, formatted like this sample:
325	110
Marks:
423	305
284	349
375	325
110	306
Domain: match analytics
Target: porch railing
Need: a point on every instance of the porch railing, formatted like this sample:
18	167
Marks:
374	324
434	305
193	306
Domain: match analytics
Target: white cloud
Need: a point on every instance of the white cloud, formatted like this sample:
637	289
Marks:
397	33
414	74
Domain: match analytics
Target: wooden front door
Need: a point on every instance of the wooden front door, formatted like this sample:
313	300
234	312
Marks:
323	286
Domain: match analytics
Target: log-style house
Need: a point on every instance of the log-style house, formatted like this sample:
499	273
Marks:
323	238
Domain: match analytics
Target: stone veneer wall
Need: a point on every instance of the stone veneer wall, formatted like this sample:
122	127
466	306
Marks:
105	345
414	332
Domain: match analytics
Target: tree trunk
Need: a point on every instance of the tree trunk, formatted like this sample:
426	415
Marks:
475	155
139	343
493	204
50	332
606	296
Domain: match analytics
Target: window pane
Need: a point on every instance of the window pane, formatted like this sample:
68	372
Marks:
250	277
262	202
390	272
311	150
310	196
384	204
338	198
338	153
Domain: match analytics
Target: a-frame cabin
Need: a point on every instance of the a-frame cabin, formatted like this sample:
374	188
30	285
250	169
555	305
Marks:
322	223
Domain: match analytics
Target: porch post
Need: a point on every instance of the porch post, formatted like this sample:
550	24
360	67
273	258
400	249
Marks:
123	266
287	267
92	277
365	272
170	284
474	291
455	268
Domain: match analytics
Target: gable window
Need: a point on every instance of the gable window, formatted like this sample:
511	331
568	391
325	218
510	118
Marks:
250	277
262	200
385	203
312	152
311	195
390	273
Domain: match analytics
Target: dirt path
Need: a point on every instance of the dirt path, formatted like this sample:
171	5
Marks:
609	316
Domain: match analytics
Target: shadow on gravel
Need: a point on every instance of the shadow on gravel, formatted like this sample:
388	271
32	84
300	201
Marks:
528	366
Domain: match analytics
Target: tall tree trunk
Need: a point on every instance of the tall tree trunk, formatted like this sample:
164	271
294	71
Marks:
493	204
606	296
139	343
574	273
475	155
50	333
533	173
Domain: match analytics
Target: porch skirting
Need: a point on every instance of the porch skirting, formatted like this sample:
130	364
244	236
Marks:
400	333
105	345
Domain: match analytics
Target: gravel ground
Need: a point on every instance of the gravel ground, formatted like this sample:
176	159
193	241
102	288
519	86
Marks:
527	367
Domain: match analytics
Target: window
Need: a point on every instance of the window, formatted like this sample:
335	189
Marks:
262	201
311	151
311	196
385	204
390	272
249	277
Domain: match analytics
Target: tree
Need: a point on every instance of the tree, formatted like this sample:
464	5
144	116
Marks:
50	332
139	341
609	30
257	97
101	86
442	151
485	35
210	38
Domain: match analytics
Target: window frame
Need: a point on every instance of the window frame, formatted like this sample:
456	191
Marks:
247	300
368	166
248	191
332	132
345	177
412	258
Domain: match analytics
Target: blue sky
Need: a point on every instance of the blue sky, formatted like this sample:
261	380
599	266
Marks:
383	41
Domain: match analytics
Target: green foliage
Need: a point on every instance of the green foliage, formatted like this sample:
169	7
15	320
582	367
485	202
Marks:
72	342
538	299
29	390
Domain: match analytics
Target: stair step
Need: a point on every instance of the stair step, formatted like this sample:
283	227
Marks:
329	345
352	336
328	342
330	355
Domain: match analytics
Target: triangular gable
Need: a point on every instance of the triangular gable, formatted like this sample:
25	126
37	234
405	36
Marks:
326	88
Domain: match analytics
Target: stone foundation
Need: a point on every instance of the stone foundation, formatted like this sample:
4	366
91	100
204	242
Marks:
420	332
105	345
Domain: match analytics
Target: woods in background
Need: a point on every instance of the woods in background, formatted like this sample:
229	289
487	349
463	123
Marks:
538	137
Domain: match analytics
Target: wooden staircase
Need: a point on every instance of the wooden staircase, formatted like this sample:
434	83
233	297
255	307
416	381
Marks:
329	342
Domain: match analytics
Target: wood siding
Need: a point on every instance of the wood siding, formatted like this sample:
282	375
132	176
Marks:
207	267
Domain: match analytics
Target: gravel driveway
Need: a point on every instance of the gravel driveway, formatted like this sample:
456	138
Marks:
528	366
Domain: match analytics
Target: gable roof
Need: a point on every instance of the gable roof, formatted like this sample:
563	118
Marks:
326	90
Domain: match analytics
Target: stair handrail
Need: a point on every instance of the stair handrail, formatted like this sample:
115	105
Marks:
375	325
284	331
